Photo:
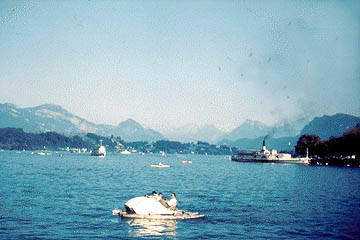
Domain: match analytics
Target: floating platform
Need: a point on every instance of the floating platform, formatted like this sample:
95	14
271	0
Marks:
178	215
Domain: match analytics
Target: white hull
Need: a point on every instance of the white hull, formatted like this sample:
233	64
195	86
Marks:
186	162
125	152
160	165
293	160
264	156
99	151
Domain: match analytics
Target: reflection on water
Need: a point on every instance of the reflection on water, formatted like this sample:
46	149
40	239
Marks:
152	227
242	200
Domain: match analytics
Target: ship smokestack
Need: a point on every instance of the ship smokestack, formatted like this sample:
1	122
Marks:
264	147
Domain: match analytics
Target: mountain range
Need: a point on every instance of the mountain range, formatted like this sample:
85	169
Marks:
49	117
330	126
247	130
325	127
249	134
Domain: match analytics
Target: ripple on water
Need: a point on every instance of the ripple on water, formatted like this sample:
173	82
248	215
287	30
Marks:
72	198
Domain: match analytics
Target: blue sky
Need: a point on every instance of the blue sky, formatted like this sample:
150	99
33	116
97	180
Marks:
170	63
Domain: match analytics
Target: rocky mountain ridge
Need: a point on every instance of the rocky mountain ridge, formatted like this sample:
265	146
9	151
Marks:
49	117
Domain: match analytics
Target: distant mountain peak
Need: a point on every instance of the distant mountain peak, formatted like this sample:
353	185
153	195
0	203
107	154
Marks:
130	123
130	120
130	130
50	107
249	121
10	105
331	126
253	123
253	129
249	129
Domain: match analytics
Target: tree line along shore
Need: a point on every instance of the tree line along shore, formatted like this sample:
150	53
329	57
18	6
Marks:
17	139
343	150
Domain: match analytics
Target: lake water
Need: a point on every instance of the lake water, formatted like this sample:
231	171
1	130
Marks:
71	197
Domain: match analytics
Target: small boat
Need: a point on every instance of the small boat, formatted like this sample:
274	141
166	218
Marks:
186	162
125	152
160	165
150	208
100	150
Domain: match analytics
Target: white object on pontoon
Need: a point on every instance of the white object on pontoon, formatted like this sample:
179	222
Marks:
150	208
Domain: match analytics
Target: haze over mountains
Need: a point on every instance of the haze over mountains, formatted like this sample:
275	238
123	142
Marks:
193	132
50	117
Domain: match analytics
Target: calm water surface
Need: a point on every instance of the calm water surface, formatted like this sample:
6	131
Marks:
48	197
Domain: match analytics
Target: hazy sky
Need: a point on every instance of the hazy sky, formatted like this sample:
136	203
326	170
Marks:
171	63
